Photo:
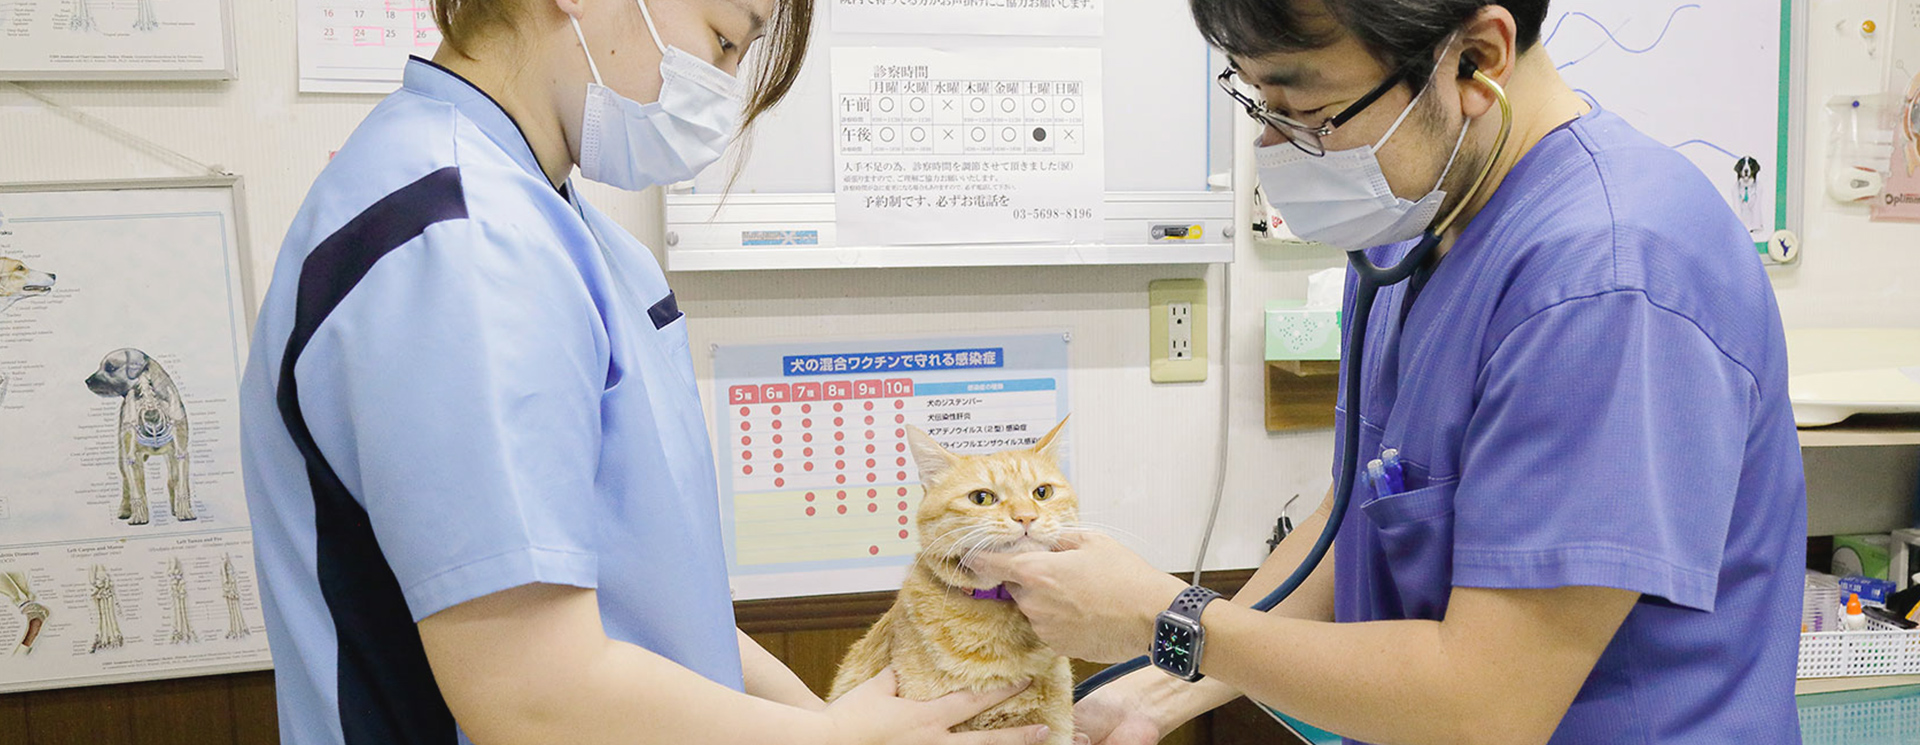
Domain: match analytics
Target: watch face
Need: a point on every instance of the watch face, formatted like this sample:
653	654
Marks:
1173	647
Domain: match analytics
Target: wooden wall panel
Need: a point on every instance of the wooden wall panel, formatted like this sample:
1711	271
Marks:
810	635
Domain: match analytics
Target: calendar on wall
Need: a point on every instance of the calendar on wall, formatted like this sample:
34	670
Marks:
362	46
818	488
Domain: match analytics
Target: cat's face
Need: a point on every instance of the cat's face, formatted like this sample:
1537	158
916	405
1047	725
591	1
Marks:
1011	501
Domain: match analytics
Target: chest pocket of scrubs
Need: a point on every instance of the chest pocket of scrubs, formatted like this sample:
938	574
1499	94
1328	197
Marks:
1415	533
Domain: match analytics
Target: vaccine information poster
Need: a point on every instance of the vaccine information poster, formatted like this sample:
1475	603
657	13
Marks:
984	17
818	486
977	146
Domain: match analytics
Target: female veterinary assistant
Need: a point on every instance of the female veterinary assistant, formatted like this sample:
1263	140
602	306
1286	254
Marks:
1602	526
482	491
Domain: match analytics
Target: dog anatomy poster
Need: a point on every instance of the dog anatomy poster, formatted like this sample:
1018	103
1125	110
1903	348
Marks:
124	547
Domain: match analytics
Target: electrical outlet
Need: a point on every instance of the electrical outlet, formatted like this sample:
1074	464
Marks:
1180	331
1177	334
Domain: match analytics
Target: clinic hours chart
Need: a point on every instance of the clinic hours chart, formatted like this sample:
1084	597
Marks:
905	113
405	25
822	471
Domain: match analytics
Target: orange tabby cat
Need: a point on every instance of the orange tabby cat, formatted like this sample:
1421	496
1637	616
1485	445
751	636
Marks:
939	637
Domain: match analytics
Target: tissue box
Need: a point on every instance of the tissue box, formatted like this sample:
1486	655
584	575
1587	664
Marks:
1295	333
1864	555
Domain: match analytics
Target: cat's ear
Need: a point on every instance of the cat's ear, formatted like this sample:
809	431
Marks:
1049	446
933	460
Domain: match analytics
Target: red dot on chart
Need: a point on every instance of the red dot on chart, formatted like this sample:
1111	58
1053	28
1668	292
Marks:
872	478
843	509
870	463
808	437
746	455
899	461
776	411
809	512
899	419
903	506
869	450
776	439
873	550
748	470
809	496
869	432
837	407
842	495
807	452
743	411
779	483
871	493
869	421
806	408
745	427
778	453
899	433
903	491
903	519
873	508
839	435
806	422
839	464
746	441
779	468
838	422
869	406
840	479
903	535
901	476
776	424
899	404
900	448
808	466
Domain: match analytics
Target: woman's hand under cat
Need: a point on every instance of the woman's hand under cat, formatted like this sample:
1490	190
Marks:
872	714
1094	600
1115	715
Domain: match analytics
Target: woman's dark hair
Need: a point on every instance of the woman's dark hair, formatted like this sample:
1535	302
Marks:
773	72
1398	32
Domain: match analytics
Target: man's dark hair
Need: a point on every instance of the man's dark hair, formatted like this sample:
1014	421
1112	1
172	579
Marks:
1400	33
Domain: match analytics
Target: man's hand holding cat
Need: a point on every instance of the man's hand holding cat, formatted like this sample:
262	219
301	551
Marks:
1094	600
872	714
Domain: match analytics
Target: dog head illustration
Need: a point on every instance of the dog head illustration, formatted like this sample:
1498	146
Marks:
131	375
120	371
18	281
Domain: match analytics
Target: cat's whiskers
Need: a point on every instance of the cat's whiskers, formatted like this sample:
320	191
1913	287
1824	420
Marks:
957	540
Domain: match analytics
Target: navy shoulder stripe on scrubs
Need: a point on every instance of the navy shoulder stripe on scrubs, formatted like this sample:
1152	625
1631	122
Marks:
387	692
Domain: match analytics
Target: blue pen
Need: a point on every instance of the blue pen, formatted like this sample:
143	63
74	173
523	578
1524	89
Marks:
1377	475
1396	473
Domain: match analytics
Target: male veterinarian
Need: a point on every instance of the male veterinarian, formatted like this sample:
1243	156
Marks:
1600	530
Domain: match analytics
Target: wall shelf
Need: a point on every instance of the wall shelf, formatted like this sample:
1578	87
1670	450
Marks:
1865	431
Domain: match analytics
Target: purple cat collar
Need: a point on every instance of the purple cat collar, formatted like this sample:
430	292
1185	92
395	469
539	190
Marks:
997	593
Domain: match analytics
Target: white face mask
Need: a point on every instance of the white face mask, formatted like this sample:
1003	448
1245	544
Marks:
1342	199
632	146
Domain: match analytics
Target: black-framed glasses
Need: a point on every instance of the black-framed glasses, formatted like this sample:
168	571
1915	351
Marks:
1308	138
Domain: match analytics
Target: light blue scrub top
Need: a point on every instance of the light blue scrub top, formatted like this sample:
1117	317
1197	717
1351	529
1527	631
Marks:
1592	391
472	405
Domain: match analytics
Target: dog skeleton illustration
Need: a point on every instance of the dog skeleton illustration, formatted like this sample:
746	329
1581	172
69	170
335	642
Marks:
153	422
182	624
146	21
106	608
82	17
17	282
14	586
230	589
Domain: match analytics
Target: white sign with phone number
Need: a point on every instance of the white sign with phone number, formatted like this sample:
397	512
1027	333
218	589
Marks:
985	145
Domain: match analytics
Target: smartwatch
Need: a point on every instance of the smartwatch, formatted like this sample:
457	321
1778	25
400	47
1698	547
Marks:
1178	638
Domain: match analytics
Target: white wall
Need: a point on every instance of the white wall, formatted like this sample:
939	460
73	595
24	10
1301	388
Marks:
1146	453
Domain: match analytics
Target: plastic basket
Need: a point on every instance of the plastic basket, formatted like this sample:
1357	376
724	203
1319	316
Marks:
1826	652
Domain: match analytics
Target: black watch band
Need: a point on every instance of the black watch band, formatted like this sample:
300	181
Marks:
1179	640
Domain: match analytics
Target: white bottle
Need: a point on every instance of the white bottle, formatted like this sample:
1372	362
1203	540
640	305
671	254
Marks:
1854	619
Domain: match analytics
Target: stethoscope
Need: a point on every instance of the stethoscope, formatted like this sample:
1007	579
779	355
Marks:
1415	265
